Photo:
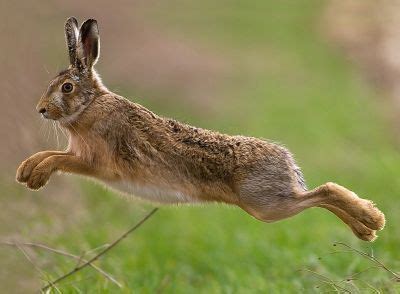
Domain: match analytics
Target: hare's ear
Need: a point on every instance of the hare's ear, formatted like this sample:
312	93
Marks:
89	42
71	37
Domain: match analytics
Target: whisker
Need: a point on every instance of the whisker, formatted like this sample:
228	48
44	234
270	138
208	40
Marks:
55	130
47	133
42	123
63	131
45	68
84	141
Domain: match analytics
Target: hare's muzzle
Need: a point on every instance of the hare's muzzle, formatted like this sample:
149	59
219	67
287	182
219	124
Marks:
42	110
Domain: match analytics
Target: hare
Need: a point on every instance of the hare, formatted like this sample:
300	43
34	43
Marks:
135	151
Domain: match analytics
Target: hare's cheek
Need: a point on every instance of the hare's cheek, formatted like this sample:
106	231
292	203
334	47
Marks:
69	106
76	106
58	100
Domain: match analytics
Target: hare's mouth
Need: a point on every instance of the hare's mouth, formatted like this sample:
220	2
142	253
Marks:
50	115
49	111
45	115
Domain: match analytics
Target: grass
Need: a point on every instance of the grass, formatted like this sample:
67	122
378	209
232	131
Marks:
287	85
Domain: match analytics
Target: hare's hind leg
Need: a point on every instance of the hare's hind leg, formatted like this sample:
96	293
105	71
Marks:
341	198
359	229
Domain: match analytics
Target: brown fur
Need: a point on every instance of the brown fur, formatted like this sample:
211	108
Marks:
127	146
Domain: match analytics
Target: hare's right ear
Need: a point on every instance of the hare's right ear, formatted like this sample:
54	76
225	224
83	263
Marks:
89	43
71	37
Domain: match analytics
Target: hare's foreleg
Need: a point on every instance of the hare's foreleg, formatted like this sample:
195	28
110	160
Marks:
341	198
26	167
64	162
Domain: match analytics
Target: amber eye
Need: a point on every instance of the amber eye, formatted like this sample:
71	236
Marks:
67	87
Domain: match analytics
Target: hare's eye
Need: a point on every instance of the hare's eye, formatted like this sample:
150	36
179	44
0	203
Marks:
67	87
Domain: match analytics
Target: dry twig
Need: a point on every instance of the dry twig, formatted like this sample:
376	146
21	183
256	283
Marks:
349	249
81	262
379	263
112	245
60	252
328	281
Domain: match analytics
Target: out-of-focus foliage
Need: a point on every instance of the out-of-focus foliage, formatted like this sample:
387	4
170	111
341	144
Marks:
259	68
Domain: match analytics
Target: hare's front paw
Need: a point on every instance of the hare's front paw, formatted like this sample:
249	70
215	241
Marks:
38	178
25	170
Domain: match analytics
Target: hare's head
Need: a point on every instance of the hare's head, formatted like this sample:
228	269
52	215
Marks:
73	89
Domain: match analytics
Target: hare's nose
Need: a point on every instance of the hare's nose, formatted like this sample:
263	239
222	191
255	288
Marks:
42	110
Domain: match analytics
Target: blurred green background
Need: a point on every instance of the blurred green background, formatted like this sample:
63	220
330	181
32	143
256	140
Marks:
257	68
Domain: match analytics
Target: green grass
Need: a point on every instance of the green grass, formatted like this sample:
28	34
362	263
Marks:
301	93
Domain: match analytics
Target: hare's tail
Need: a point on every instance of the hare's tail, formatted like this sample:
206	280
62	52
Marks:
300	178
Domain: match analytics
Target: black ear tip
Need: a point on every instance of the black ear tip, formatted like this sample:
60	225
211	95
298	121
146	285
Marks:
72	20
90	21
90	25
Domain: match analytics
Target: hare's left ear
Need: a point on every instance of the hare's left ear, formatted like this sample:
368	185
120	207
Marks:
89	43
71	37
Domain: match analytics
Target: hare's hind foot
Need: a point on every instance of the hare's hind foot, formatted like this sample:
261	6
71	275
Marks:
361	209
359	214
358	228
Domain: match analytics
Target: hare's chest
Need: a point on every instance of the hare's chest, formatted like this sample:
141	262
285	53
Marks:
150	192
91	149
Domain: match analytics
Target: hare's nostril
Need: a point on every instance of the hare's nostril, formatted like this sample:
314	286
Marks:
42	110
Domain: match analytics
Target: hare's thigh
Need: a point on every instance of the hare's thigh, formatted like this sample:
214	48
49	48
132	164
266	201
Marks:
269	193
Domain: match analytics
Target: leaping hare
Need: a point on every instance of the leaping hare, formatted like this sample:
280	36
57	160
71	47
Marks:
133	150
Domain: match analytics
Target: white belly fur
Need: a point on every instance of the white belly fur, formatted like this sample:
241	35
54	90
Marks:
150	193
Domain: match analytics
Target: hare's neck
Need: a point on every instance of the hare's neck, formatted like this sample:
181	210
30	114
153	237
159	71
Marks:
78	144
83	119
